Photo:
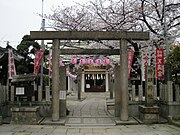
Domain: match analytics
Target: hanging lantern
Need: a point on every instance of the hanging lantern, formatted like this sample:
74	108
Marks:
82	61
107	61
99	61
74	60
60	62
90	61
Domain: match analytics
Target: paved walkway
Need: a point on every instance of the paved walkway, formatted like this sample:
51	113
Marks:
90	112
159	129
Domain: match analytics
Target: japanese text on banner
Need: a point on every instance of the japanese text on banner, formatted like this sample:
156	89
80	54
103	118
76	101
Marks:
159	63
12	70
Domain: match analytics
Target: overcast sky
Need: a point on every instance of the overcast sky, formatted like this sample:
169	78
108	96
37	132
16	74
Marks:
19	17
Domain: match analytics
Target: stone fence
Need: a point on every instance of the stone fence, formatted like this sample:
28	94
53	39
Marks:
161	94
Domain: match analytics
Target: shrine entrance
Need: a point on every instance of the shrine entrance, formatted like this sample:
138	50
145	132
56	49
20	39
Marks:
95	82
121	86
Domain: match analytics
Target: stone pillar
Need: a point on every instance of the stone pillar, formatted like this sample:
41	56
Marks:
79	83
62	93
149	113
82	81
47	93
162	89
140	93
12	93
149	98
39	93
165	96
33	98
1	120
133	92
155	92
1	95
5	93
107	82
124	80
55	80
177	93
69	84
169	91
111	87
117	91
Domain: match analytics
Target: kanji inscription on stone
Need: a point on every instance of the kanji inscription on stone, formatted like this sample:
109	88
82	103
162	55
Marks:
149	86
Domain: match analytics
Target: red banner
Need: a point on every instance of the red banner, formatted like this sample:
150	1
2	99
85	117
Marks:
145	61
37	61
50	63
11	69
159	63
130	59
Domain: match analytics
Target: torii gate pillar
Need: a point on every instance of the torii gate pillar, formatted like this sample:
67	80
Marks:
123	80
55	80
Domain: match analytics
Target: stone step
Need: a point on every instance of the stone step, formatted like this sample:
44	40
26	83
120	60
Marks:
89	121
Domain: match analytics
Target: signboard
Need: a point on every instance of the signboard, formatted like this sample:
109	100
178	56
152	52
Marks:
20	91
159	63
62	94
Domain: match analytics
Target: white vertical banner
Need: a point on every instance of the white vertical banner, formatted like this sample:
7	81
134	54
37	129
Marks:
11	65
145	61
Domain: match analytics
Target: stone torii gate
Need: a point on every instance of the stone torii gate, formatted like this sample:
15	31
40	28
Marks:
123	36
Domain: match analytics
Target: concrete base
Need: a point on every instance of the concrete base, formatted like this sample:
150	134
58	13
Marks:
25	115
170	110
48	121
131	121
149	114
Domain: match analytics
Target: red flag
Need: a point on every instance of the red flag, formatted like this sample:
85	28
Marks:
145	61
130	59
159	63
37	61
11	65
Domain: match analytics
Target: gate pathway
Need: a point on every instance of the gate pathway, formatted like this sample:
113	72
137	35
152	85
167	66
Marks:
91	112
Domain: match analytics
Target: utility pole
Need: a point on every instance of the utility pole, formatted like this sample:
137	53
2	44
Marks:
166	43
42	45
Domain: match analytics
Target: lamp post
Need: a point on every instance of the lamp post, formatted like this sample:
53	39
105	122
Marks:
42	46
